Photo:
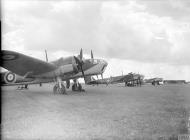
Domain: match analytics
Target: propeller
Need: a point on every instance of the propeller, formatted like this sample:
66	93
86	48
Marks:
81	54
102	76
92	56
80	62
46	56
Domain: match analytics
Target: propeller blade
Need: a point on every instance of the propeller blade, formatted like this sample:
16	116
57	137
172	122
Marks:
92	56
102	76
79	65
82	72
46	56
81	54
77	60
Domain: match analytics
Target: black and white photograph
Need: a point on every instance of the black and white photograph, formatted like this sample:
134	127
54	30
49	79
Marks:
95	70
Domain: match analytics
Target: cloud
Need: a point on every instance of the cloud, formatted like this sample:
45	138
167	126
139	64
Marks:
149	70
121	30
139	31
177	9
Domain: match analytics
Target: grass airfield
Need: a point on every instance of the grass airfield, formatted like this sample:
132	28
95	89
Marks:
101	113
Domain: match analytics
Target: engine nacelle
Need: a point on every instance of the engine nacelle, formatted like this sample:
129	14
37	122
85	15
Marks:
9	77
69	68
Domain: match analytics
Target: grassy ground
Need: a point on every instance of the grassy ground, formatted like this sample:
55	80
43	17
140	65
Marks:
113	112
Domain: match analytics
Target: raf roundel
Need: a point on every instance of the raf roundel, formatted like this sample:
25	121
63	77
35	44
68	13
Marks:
7	57
10	77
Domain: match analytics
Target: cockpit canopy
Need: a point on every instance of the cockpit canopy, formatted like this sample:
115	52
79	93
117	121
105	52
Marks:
94	61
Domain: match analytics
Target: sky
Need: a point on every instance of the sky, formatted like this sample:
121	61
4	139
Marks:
150	37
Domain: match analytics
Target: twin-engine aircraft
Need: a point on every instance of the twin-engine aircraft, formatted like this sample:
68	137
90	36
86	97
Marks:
154	81
30	70
130	79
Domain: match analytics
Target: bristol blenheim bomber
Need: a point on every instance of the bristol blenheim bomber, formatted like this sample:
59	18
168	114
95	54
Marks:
34	71
131	79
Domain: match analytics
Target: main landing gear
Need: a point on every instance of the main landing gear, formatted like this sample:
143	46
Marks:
77	86
59	88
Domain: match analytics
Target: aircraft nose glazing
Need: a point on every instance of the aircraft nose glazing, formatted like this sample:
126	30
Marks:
104	65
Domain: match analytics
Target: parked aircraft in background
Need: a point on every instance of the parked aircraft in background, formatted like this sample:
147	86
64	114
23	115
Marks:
130	79
24	69
154	81
175	82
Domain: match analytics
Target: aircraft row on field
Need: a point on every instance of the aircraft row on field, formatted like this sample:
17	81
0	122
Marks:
130	79
26	70
154	81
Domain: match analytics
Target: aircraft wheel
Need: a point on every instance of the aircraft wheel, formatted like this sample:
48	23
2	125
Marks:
55	89
74	87
63	89
59	90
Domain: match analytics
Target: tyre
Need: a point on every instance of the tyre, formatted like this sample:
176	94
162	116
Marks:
55	89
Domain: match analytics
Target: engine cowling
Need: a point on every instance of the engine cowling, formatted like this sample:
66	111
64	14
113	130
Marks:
9	77
66	69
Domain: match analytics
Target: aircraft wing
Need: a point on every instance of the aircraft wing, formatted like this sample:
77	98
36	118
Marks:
28	82
127	77
24	65
117	79
17	84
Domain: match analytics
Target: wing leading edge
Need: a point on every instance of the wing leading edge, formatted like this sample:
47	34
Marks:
24	65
